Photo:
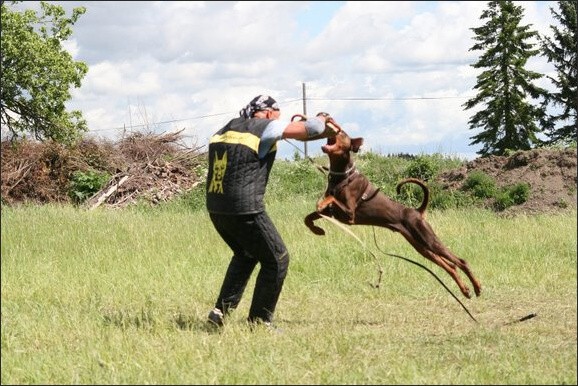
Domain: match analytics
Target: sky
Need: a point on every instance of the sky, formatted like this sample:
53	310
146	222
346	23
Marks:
396	73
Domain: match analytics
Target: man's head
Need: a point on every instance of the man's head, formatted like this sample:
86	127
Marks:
262	106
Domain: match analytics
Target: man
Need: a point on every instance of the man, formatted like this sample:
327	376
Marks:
241	155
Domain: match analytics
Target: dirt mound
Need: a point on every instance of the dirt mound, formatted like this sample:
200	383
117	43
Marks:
550	173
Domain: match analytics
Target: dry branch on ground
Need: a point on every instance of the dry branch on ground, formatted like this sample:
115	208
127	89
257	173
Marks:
152	167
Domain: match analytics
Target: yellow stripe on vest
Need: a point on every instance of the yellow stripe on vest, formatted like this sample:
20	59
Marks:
236	138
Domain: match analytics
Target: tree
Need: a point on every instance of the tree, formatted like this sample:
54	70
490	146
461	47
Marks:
508	121
37	73
562	51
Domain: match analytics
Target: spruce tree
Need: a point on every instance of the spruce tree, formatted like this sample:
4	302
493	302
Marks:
562	51
506	118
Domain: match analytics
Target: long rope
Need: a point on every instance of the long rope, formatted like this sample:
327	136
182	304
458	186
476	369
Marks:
401	257
522	319
427	269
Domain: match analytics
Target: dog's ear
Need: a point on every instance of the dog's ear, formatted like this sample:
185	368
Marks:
356	144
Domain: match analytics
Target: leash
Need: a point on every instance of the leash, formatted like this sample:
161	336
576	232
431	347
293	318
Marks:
427	269
522	319
380	270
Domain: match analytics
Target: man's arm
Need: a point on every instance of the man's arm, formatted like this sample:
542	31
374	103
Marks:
310	129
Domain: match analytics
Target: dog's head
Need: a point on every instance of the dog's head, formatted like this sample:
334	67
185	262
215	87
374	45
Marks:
341	144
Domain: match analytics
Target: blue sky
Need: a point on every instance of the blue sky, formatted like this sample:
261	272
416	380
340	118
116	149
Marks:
396	73
317	15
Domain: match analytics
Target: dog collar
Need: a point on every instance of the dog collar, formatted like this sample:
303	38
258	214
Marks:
348	171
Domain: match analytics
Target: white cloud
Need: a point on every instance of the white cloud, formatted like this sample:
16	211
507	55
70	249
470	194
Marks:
195	64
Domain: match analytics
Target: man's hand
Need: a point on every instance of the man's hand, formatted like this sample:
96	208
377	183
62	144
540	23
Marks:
331	127
322	126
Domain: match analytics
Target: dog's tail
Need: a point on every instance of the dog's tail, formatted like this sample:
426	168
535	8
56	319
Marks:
425	189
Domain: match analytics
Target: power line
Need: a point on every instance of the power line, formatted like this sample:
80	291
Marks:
285	102
385	99
165	122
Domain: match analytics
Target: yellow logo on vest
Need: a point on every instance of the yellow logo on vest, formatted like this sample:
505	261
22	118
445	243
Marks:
219	167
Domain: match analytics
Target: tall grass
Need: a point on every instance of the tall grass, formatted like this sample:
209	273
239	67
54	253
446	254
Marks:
121	297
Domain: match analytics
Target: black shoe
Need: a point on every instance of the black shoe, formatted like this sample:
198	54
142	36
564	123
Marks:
216	317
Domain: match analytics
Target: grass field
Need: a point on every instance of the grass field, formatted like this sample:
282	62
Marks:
121	297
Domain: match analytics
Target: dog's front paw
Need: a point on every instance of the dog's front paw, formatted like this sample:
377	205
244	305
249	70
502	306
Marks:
317	230
325	203
312	227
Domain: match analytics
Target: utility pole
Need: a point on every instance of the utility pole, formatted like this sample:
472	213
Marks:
305	114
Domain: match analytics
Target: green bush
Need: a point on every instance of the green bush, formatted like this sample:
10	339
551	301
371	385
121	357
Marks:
383	171
503	200
84	184
512	195
291	178
439	198
480	185
519	193
449	199
423	167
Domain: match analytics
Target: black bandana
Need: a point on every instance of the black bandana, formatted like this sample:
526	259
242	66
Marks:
260	102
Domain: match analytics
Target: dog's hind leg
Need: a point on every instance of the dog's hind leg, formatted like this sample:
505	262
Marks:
436	247
464	267
448	266
423	233
440	261
449	269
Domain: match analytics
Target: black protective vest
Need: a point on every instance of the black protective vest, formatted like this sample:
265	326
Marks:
237	178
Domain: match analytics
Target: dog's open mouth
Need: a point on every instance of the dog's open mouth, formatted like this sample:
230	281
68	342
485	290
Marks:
330	143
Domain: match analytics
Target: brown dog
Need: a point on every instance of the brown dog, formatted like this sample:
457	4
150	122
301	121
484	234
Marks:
353	200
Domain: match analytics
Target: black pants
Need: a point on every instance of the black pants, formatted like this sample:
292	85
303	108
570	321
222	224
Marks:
253	239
